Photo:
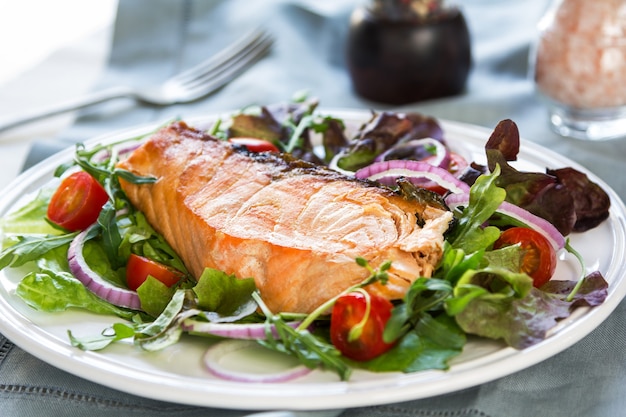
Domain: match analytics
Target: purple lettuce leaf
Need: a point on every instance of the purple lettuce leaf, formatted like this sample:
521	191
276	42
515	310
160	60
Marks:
565	197
385	130
523	322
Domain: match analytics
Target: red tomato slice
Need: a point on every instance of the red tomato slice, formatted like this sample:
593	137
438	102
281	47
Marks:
348	312
539	260
254	144
139	268
77	202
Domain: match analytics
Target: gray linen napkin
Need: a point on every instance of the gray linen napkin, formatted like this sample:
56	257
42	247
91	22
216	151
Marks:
155	39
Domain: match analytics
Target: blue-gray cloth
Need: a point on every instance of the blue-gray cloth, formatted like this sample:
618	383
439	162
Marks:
156	39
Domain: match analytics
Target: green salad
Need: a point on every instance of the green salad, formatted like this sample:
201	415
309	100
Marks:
494	279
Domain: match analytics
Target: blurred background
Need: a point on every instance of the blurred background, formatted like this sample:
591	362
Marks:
54	51
38	39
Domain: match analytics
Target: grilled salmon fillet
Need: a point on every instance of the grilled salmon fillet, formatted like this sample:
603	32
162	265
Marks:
295	227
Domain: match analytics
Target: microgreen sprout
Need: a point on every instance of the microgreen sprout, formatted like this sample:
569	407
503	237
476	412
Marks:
583	270
357	329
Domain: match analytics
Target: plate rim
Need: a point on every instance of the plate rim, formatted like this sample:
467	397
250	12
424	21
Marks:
345	394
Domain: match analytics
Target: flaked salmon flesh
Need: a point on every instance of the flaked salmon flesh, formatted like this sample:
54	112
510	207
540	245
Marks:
294	227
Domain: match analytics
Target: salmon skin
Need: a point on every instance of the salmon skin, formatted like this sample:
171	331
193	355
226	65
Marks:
295	227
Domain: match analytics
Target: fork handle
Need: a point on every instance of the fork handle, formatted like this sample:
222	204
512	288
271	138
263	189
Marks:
10	122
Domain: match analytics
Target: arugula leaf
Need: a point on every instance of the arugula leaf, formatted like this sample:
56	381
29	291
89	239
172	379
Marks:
485	197
141	238
424	294
455	262
310	350
103	169
424	341
110	235
132	178
295	140
30	248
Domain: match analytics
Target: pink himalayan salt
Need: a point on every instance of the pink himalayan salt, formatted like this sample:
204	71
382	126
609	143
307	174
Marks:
581	55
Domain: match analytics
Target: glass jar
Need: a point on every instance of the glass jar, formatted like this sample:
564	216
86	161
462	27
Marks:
404	51
579	67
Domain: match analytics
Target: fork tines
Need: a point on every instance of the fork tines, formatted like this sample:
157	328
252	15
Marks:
228	63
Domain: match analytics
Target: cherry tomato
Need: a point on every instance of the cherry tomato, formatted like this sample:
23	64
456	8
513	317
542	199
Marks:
255	145
539	260
139	268
76	204
357	337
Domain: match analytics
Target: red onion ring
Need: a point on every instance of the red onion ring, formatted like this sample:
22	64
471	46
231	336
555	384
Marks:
248	331
218	351
102	288
442	153
386	172
537	223
122	152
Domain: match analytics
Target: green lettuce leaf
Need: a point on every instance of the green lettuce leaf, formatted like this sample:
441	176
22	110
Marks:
499	304
470	234
30	218
154	296
53	289
222	293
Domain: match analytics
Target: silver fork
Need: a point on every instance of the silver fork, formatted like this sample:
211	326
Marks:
189	85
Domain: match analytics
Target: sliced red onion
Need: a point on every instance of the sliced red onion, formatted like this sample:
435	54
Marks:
122	152
386	172
333	165
214	355
441	154
537	223
104	289
248	331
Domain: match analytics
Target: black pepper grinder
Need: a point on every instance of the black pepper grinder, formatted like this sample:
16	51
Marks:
404	51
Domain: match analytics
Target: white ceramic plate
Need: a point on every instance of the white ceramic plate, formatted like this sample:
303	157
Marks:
176	374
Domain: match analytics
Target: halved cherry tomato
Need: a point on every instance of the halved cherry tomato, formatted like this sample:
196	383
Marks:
254	144
76	204
357	336
139	268
539	260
